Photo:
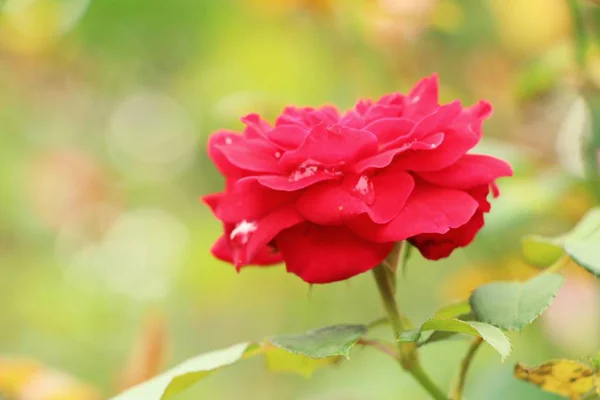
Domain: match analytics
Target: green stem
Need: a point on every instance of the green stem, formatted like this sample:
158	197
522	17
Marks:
408	356
581	39
457	393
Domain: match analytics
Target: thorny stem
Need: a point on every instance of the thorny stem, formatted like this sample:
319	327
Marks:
408	356
457	393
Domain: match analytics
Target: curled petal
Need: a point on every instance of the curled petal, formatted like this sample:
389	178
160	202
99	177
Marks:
263	232
423	97
332	146
457	141
386	157
391	129
250	202
469	171
428	210
324	254
288	136
266	256
435	246
256	127
292	182
252	155
215	144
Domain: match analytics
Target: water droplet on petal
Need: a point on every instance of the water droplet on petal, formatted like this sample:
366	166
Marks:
228	140
277	154
239	238
415	99
364	189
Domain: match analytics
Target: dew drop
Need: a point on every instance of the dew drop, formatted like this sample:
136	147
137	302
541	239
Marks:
364	189
239	238
242	232
305	170
415	99
277	154
228	140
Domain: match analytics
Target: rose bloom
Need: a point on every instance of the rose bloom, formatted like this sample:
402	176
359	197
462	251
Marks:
329	194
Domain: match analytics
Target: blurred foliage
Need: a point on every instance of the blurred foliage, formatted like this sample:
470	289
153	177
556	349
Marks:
105	109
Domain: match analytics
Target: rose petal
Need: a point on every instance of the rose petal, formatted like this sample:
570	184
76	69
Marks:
288	136
249	202
457	141
266	229
385	158
429	209
289	183
392	188
256	127
380	160
332	146
324	254
435	246
475	115
215	143
470	171
391	129
423	97
329	203
266	256
252	155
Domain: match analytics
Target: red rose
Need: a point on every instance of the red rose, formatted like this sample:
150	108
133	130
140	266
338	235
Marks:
329	194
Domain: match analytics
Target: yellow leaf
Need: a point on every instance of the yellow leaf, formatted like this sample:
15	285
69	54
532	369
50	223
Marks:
566	378
280	360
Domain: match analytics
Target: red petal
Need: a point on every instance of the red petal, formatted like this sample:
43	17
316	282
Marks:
215	142
288	136
469	171
252	155
256	127
266	256
332	146
266	230
429	209
391	129
392	189
249	202
329	204
287	184
324	254
457	142
435	246
385	158
423	98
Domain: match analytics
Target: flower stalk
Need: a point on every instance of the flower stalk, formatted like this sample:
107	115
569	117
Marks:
457	393
407	352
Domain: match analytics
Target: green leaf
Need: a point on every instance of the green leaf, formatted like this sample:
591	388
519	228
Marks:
454	310
513	305
492	335
335	340
187	374
280	360
300	354
583	242
585	253
578	244
541	251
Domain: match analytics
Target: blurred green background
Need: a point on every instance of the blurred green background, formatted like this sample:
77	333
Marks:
105	110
